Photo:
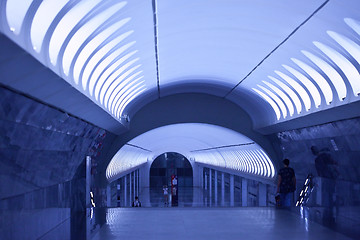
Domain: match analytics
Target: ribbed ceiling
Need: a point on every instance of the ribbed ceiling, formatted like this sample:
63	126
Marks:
200	143
298	57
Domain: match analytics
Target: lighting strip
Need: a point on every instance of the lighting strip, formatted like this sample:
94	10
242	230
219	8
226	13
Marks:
290	92
251	161
298	88
270	101
307	83
344	64
277	100
283	96
115	70
93	46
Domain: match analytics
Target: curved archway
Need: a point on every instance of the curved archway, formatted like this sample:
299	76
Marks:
171	171
200	143
180	109
170	164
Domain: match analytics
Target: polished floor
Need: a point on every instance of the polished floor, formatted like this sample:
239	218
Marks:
198	214
209	223
187	197
203	214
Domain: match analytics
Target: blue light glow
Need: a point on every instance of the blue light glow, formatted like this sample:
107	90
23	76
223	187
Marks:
104	63
276	99
195	141
270	101
289	91
66	24
15	13
43	18
283	96
298	88
84	32
92	45
111	73
344	64
124	93
99	55
307	83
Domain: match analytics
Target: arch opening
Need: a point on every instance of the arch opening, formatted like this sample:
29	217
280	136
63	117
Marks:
171	164
171	179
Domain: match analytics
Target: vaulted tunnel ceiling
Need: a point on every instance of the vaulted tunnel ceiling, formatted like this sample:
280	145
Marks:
201	143
290	58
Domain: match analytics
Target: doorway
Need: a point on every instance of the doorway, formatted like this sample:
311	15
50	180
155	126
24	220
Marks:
167	165
164	169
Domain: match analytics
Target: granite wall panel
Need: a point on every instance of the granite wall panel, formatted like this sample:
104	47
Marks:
41	146
331	153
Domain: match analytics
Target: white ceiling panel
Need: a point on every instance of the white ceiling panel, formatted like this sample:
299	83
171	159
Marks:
214	40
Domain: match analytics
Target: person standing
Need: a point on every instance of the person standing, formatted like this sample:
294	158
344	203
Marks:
286	184
136	202
166	194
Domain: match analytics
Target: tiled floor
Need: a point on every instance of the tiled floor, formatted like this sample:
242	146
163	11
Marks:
210	223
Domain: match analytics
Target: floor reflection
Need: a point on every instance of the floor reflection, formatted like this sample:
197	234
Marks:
188	197
154	218
209	223
197	208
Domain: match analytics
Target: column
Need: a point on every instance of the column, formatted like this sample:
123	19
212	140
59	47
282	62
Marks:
244	192
134	185
210	188
130	189
137	181
125	190
222	189
118	193
262	195
231	190
88	181
201	175
206	181
216	187
108	195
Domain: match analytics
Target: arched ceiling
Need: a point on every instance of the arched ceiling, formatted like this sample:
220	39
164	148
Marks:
294	58
187	138
202	143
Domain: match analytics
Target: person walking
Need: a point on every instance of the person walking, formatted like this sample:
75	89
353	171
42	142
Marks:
286	184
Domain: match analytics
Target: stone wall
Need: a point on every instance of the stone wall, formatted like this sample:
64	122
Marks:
339	142
41	146
42	168
331	152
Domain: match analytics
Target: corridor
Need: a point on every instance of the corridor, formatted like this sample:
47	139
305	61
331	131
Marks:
204	109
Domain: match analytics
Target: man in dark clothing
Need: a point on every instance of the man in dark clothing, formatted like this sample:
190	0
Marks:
136	203
286	184
325	165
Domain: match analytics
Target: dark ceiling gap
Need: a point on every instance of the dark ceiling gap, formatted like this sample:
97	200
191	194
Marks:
135	146
227	146
156	45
